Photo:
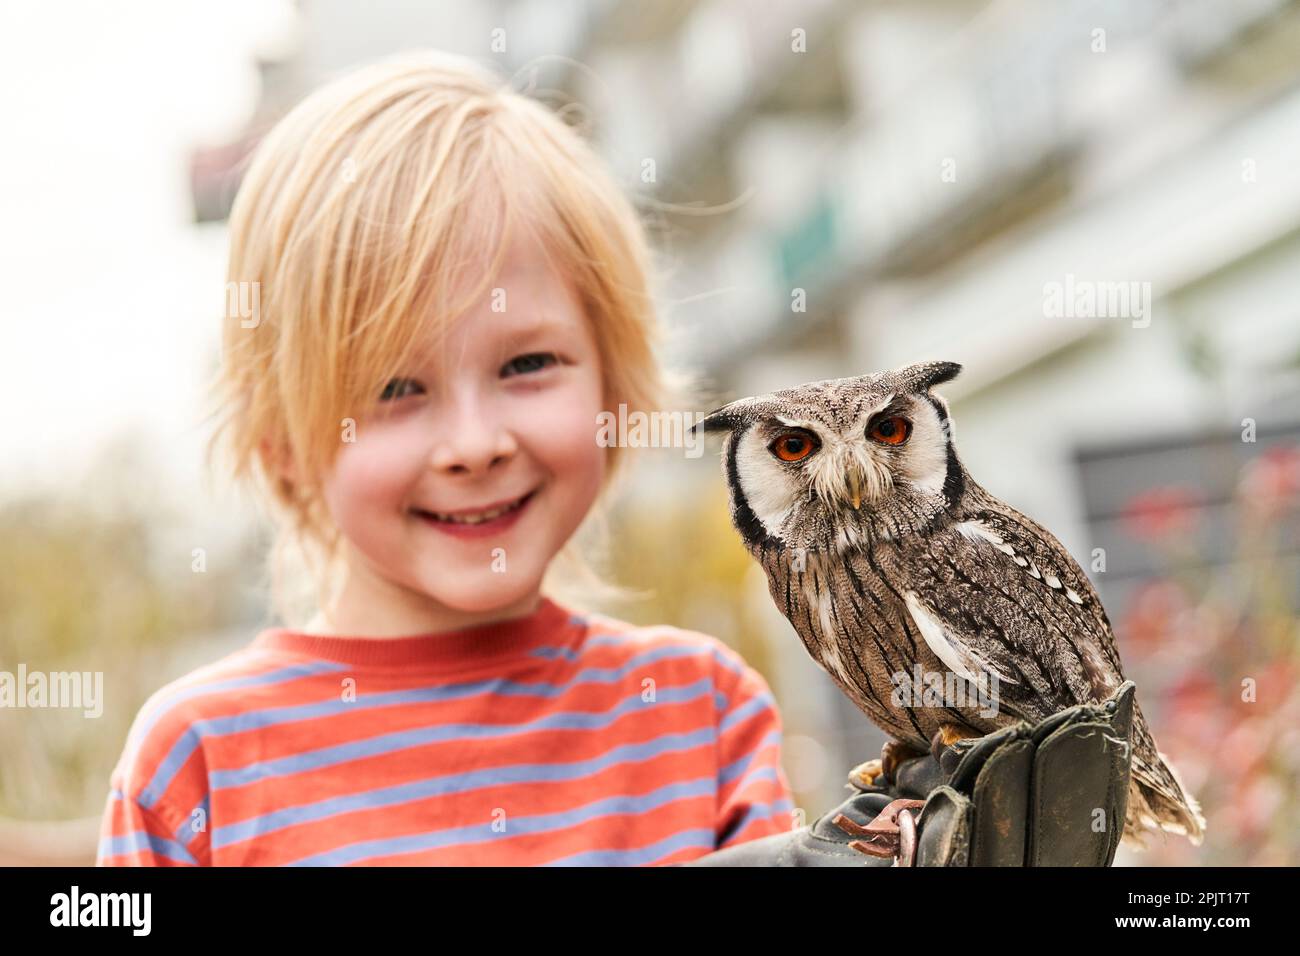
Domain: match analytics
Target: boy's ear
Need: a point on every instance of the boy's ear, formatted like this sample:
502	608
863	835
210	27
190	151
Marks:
277	460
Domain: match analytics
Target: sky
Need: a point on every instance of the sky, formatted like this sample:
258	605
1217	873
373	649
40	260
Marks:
111	294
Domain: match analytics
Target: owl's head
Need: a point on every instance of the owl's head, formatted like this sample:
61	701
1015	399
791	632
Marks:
831	462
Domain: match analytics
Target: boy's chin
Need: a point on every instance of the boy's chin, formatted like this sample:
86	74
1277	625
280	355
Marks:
483	594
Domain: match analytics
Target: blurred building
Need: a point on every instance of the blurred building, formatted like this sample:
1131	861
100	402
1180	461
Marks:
951	180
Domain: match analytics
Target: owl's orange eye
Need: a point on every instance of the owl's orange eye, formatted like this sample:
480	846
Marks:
890	431
793	446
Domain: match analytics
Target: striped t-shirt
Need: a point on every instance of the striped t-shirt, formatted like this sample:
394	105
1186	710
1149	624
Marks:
555	738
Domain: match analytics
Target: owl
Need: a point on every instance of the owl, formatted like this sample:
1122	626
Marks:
891	562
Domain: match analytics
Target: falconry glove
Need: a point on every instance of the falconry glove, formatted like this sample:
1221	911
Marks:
1051	794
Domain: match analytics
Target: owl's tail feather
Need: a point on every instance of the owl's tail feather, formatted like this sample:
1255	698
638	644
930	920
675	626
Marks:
1157	799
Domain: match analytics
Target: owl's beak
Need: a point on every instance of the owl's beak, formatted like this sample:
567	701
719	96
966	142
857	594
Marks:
855	489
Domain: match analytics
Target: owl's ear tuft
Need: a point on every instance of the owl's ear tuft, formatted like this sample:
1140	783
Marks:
722	419
927	375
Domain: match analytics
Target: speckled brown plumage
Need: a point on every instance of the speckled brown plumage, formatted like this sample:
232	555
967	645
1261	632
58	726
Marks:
930	570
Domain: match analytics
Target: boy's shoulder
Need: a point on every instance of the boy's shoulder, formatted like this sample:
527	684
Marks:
169	726
611	638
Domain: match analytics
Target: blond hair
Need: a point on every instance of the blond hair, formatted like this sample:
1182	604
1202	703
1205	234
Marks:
355	223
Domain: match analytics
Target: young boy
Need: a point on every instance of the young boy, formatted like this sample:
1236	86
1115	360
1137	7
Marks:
447	290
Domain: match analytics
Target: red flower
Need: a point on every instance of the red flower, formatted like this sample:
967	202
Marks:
1195	690
1272	480
1153	613
1161	512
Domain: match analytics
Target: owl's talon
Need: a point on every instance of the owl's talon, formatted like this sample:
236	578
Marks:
865	775
879	773
892	754
946	736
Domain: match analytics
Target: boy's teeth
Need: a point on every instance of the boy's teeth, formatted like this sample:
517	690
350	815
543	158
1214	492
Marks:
477	517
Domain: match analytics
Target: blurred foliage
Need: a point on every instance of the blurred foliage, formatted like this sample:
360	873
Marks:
1217	654
690	567
99	581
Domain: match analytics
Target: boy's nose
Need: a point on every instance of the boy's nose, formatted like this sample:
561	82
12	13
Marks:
473	446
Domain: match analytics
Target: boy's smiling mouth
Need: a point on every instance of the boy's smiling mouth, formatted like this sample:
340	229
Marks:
491	518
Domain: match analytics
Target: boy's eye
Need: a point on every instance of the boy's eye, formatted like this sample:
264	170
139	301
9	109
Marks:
532	362
398	388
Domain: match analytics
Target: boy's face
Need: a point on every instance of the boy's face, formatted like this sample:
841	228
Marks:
503	417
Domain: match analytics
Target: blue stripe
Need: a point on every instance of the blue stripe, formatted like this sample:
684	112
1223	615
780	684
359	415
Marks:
186	832
526	774
279	676
748	709
568	654
642	856
737	766
421	736
193	736
180	752
757	811
189	740
140	840
618	640
767	774
516	826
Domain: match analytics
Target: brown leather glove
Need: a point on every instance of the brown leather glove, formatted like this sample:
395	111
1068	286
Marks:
1054	794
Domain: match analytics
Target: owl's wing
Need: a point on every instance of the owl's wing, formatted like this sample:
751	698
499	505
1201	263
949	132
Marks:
963	653
998	593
